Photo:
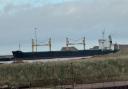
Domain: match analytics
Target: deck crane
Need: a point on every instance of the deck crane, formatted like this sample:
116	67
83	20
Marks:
81	43
35	45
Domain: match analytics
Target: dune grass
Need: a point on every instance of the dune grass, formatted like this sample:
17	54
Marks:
69	72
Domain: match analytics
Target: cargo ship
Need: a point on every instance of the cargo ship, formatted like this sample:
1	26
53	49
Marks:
106	46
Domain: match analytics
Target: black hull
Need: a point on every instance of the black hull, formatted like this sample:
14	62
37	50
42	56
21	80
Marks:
58	54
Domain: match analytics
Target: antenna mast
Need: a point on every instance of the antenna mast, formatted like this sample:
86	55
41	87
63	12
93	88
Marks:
103	34
36	38
19	46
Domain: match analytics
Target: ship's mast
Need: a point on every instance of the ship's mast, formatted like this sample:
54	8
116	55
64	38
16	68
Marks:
33	45
103	39
50	44
67	42
84	44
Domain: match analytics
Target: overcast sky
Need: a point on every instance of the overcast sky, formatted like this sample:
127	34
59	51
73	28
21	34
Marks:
59	19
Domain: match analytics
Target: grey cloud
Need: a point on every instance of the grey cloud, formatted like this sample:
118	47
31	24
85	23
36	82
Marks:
73	19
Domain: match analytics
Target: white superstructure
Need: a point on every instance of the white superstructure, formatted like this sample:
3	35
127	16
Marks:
106	44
